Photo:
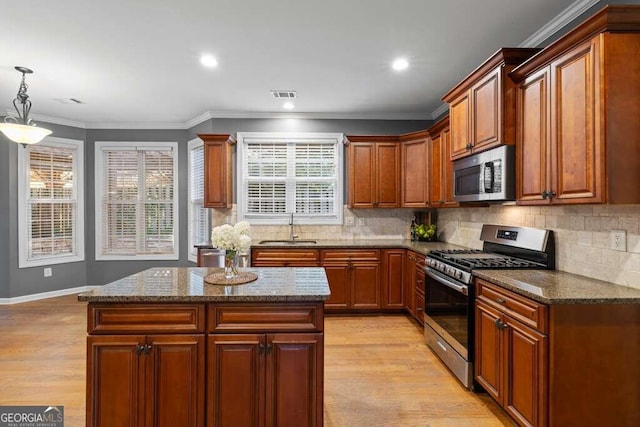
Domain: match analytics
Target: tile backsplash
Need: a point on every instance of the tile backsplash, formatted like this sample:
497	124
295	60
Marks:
357	224
582	235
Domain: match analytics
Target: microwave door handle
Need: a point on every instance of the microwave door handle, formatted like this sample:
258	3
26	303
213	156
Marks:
489	175
462	289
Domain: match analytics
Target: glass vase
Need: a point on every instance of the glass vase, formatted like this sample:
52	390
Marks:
230	264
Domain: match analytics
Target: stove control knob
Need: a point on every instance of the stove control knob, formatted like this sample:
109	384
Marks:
458	274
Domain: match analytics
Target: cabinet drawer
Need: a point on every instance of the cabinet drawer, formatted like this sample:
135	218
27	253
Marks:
529	312
350	255
145	319
284	257
271	318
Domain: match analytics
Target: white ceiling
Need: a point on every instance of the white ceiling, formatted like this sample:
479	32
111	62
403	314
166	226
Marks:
137	62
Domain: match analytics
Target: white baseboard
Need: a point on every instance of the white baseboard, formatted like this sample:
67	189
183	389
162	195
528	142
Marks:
45	295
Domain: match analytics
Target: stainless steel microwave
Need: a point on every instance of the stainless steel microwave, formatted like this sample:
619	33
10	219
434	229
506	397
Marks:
488	176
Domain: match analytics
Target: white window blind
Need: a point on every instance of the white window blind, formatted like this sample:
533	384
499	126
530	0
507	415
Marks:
51	210
136	201
290	173
198	215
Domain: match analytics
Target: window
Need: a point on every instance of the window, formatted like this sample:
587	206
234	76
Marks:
283	173
198	215
136	200
50	203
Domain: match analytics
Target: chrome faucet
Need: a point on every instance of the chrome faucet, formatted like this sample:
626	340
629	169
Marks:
292	236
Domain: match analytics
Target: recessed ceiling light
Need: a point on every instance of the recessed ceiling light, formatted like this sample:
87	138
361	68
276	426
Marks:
400	64
288	106
209	61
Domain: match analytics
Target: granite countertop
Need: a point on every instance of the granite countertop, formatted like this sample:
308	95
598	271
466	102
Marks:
559	287
420	247
184	284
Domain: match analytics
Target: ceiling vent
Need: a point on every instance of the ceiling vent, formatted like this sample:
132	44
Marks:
287	94
68	100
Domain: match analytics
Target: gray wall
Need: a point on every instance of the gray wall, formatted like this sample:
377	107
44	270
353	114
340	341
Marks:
26	281
16	281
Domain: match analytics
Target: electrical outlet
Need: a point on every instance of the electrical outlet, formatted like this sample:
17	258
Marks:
349	220
619	240
48	272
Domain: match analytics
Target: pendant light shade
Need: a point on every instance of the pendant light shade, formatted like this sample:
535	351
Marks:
21	129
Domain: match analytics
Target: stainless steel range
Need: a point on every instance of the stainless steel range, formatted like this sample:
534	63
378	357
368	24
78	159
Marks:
449	290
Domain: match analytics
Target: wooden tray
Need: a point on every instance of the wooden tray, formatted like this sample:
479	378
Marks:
219	279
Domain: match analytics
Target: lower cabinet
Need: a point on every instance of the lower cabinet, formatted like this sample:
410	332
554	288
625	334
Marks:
393	278
414	285
138	380
265	379
511	364
354	278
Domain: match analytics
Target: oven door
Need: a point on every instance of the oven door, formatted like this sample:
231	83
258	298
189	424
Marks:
448	311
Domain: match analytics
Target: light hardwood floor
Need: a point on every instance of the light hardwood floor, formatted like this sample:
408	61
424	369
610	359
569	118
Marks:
378	372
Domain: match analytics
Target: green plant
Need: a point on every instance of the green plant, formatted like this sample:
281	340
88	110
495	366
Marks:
426	232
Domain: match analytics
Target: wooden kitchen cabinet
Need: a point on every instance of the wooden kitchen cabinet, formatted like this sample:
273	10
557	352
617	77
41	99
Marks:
393	278
138	380
415	169
570	148
440	166
273	257
373	171
414	285
355	276
218	171
482	106
265	379
511	364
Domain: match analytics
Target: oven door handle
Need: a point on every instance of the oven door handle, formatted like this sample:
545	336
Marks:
460	288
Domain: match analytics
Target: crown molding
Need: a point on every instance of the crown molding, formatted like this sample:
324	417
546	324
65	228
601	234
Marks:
136	125
576	9
306	115
58	121
439	111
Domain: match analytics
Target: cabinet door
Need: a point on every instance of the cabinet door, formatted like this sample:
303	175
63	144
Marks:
447	177
532	139
387	175
392	278
217	170
525	370
365	285
410	282
115	381
235	380
339	278
361	172
437	159
488	364
576	145
486	111
175	381
294	382
459	122
416	173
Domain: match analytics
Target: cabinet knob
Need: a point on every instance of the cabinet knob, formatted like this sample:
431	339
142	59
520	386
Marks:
501	300
500	324
147	348
139	348
260	348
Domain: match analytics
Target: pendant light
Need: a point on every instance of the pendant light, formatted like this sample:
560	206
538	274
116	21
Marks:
22	129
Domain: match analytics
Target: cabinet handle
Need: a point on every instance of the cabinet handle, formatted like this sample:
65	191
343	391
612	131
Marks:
501	300
500	324
544	194
551	194
139	348
147	348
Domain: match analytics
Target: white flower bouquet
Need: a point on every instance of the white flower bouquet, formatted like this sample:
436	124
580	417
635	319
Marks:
233	239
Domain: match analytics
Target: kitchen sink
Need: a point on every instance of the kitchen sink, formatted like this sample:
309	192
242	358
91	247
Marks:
288	242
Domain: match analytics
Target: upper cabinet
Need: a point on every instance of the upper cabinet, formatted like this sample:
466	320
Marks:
440	166
578	110
373	170
482	106
218	184
415	169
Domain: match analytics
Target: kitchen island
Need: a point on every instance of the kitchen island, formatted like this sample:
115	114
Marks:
161	340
